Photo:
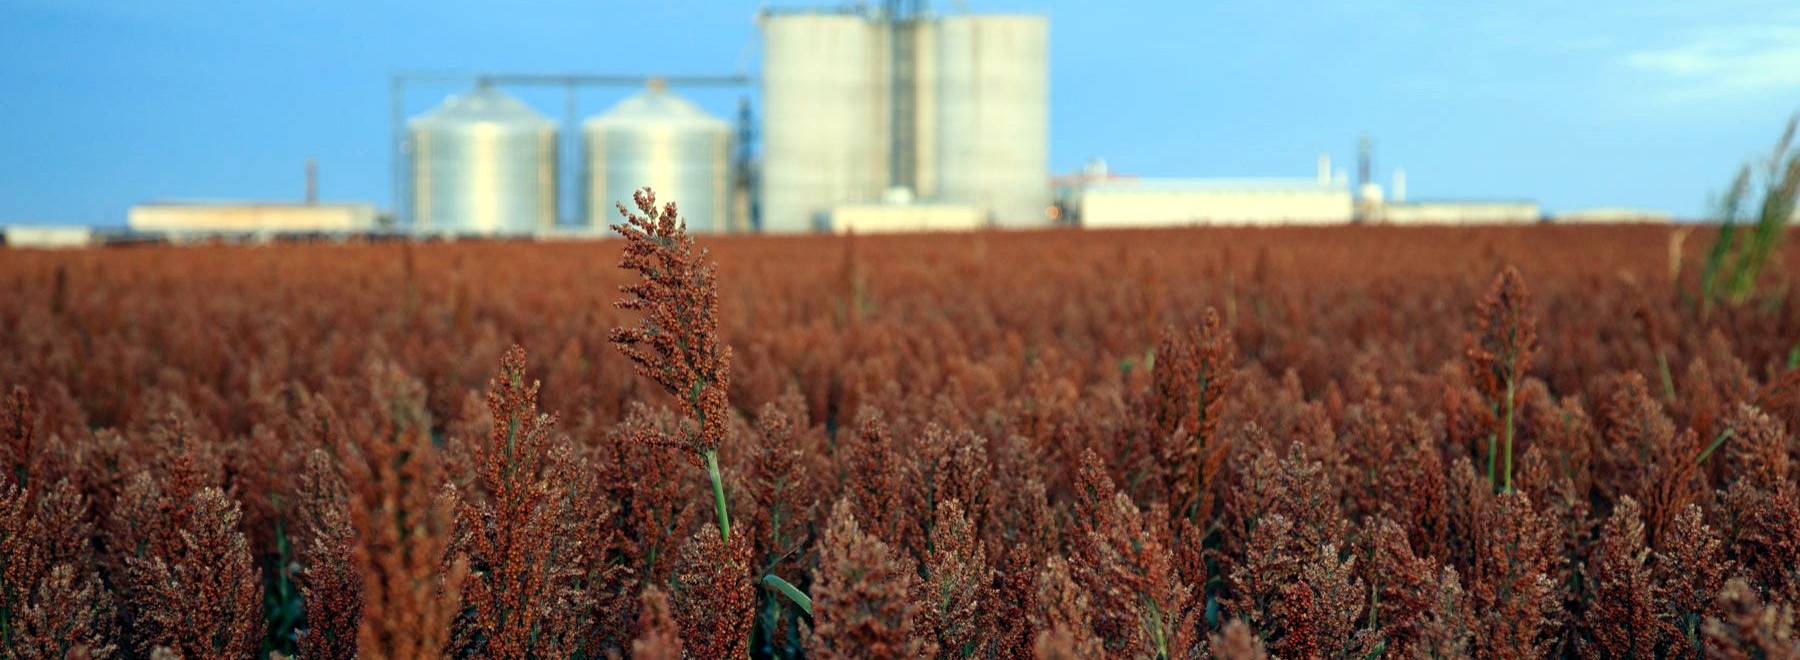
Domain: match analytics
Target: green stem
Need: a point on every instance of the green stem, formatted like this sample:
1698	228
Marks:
1716	443
1156	628
1506	480
1200	451
790	591
718	485
1668	383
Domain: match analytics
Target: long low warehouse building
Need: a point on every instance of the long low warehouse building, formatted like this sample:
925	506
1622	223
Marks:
215	218
1462	212
46	236
1174	202
1612	216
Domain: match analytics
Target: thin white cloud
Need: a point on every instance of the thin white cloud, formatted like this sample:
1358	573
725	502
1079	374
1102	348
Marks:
1722	63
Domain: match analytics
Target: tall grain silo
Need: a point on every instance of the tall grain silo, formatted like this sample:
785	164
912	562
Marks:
660	140
993	115
825	88
483	163
925	110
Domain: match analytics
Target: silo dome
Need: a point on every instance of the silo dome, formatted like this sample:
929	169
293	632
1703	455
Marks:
483	163
660	140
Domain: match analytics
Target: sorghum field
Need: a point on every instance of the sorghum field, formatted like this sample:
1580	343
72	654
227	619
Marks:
1350	442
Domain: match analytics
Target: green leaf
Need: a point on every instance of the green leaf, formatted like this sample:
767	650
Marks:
790	591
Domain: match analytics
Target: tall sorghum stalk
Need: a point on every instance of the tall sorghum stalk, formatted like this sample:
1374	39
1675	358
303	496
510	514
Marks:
401	528
1191	375
1653	332
1498	354
676	341
512	525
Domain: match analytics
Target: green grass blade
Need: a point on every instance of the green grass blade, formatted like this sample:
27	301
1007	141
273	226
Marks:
1716	443
790	591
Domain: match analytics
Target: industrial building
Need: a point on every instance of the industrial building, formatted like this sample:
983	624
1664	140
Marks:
1395	209
257	220
1096	198
944	109
863	106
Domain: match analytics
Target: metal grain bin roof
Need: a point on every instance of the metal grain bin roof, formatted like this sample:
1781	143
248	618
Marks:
483	105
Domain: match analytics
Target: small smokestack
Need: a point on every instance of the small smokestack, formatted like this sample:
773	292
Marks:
312	181
1365	156
1399	185
1324	169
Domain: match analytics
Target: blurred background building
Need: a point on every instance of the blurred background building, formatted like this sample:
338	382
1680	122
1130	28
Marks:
1097	198
257	220
892	105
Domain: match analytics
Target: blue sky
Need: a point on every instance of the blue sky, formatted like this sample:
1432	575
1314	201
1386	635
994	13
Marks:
1640	103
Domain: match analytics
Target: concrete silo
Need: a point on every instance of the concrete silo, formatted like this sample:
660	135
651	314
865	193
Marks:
660	140
825	109
924	106
866	104
483	163
993	120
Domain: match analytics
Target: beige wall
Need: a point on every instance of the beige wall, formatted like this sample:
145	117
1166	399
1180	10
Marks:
1612	216
48	237
252	217
890	218
1460	213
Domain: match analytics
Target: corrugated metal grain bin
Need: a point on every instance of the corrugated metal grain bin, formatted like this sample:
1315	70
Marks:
483	163
660	140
